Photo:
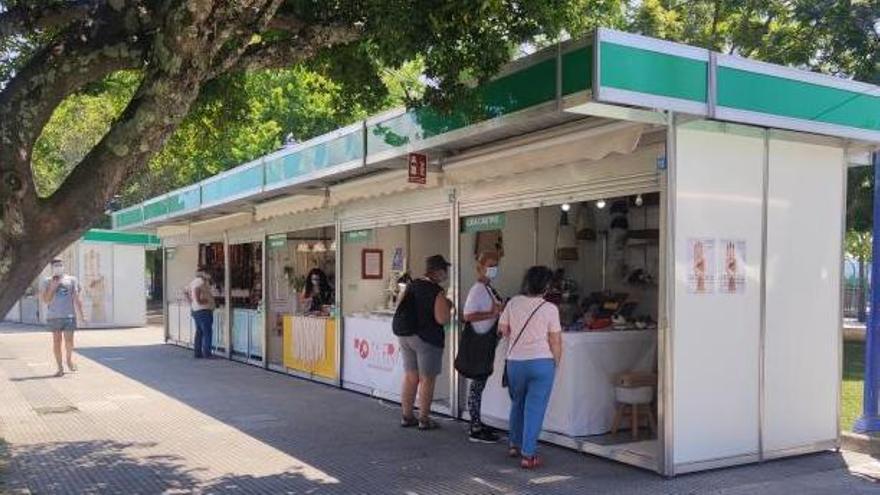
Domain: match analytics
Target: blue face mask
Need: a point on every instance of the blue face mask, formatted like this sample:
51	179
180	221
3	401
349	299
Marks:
492	272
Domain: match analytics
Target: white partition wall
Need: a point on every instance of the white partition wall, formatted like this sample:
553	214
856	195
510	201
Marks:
802	350
718	188
129	292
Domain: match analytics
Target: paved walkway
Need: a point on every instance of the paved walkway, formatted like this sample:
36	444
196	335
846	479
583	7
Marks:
143	417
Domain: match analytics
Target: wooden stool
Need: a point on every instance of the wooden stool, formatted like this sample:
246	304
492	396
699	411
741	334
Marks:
634	393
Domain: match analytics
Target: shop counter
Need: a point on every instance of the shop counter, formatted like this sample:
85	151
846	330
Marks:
582	401
310	345
372	362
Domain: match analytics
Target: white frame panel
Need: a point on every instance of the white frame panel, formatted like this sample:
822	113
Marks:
802	350
719	175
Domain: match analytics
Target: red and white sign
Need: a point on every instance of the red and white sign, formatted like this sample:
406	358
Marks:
418	168
371	357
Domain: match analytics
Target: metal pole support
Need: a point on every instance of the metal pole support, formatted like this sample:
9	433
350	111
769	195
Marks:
870	421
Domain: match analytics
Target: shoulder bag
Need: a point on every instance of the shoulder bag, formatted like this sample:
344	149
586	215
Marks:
476	351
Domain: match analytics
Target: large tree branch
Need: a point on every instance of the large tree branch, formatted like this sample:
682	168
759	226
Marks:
64	67
25	19
193	42
302	46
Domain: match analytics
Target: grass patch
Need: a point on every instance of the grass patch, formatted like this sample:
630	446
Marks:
853	383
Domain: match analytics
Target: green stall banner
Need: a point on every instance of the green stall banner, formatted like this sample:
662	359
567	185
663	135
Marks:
358	236
483	223
277	241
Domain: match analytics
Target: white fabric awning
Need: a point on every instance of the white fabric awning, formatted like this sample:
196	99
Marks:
383	184
289	206
581	145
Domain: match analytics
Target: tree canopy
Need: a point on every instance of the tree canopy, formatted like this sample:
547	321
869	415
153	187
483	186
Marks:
106	97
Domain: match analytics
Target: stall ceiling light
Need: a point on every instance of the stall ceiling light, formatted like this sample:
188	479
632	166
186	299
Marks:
319	247
303	248
639	200
566	207
600	204
333	246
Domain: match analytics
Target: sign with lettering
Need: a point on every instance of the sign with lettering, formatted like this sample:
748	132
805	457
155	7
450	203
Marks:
277	241
358	236
418	168
483	223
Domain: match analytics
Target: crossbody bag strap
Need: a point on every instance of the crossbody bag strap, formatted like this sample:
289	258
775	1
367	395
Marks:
526	324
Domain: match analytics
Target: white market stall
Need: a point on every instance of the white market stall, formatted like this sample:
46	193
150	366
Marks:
718	160
110	267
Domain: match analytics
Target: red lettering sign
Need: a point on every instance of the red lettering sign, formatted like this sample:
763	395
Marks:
418	168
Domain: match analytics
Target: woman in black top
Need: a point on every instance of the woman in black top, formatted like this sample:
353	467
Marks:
317	292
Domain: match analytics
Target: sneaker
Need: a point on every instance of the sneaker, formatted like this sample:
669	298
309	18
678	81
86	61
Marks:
482	435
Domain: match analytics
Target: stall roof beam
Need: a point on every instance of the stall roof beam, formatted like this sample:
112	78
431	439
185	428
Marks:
612	75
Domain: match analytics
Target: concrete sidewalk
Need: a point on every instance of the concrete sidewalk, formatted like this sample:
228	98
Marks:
143	417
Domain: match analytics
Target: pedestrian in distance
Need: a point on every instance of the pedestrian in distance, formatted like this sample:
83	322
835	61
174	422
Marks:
534	348
419	324
62	295
201	300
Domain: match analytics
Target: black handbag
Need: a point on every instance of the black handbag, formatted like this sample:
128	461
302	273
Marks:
476	352
504	381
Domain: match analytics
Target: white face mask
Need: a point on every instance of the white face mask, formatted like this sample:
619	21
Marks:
491	272
57	270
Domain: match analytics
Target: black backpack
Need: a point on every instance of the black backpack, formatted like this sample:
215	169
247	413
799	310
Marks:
406	320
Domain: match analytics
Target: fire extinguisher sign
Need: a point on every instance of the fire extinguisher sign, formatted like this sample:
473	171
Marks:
418	168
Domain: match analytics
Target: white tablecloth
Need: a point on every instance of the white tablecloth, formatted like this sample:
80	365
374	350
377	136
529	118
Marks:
582	402
308	341
372	362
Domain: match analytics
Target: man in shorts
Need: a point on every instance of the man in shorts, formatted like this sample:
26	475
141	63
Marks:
61	295
423	352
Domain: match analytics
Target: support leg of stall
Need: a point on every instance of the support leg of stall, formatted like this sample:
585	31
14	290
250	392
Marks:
165	294
264	259
227	293
338	300
869	422
455	381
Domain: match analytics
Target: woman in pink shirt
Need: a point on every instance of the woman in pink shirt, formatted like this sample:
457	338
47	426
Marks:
534	347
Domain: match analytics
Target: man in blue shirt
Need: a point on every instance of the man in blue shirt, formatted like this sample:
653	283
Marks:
61	294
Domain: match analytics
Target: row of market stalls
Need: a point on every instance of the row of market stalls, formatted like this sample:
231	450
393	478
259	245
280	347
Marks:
690	202
110	267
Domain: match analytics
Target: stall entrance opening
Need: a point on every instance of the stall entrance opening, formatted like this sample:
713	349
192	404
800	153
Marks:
246	301
377	263
302	303
605	254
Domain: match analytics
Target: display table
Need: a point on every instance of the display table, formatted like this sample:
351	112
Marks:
582	401
310	345
372	362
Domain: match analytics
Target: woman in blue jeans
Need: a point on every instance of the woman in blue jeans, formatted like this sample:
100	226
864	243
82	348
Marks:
534	348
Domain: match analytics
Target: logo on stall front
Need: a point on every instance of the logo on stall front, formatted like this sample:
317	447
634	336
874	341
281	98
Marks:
380	356
363	348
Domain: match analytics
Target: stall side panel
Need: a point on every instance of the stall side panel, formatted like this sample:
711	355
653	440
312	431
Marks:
802	375
129	287
716	320
181	263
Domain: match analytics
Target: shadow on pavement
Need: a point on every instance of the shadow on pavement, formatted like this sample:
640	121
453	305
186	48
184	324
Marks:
356	440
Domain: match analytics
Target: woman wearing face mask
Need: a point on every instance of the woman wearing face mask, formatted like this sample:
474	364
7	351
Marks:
317	292
481	311
534	348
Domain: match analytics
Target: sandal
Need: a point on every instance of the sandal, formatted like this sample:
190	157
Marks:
513	452
408	422
426	424
59	373
530	462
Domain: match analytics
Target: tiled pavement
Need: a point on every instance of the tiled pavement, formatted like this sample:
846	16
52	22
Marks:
143	417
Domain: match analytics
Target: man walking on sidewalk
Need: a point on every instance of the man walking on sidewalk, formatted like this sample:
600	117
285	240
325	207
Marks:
61	294
201	301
